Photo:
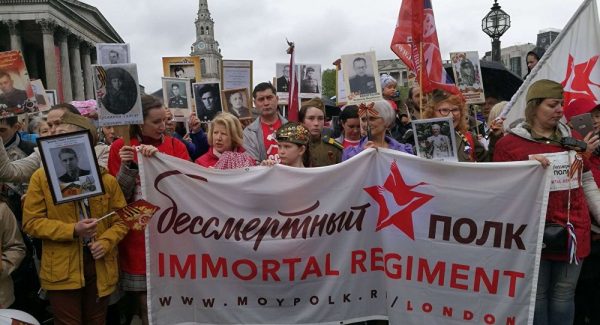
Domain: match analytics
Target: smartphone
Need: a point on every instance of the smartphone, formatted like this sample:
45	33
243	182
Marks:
369	135
583	123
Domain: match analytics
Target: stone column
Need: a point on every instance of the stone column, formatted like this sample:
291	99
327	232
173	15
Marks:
15	35
76	74
65	66
87	71
48	26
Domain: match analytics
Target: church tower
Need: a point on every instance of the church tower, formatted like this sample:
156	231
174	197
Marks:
205	45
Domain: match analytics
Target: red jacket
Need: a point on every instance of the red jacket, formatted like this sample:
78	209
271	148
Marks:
513	147
132	249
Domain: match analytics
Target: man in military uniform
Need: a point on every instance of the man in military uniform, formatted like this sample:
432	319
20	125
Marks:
309	84
362	83
283	82
10	96
177	101
324	151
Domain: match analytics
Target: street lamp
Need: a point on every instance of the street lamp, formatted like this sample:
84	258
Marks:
495	24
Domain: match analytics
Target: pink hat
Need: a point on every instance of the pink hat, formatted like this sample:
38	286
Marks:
578	107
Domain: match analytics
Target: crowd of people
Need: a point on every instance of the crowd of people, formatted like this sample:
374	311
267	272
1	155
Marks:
94	272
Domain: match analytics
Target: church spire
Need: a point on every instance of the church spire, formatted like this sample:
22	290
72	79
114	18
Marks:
205	45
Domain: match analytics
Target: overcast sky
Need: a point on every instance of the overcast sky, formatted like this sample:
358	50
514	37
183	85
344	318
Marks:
322	29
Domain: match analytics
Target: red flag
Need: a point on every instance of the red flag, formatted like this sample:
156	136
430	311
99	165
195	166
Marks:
415	41
137	214
293	89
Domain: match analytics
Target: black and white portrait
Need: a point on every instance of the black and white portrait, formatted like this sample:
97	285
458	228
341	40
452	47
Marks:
283	77
237	102
183	71
208	100
51	94
310	80
71	167
177	97
121	91
360	71
113	53
435	139
117	94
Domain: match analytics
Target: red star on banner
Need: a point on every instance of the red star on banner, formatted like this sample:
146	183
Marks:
397	201
577	81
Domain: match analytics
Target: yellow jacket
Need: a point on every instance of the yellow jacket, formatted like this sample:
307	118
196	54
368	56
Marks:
62	254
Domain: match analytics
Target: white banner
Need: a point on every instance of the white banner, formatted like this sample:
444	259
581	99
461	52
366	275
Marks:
571	60
384	235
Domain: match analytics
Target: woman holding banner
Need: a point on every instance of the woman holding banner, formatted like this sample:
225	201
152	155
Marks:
540	134
375	120
224	135
150	138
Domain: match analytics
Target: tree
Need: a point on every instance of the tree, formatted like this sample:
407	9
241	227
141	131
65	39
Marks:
329	76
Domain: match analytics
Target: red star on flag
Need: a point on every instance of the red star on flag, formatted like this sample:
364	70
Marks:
577	81
397	201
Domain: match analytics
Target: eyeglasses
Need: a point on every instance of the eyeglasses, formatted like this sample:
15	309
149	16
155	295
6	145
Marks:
446	111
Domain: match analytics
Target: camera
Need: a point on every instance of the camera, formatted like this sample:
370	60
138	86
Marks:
573	144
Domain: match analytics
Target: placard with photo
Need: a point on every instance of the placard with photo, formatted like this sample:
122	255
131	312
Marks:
361	77
310	77
16	94
183	67
467	76
51	94
236	102
236	74
208	100
117	94
283	82
113	53
435	139
71	166
177	94
43	102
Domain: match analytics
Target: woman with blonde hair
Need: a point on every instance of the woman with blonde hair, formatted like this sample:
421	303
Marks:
224	135
443	104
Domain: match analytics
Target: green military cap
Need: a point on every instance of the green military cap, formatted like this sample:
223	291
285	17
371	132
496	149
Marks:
294	133
544	88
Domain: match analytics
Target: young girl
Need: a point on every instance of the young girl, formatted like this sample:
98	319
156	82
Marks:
292	144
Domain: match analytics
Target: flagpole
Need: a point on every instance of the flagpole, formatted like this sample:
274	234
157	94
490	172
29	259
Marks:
421	79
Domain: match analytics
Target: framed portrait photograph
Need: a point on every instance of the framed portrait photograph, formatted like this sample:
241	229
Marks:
118	94
309	76
435	139
16	94
236	74
113	53
237	102
51	94
283	82
71	166
361	77
207	97
177	94
183	67
467	76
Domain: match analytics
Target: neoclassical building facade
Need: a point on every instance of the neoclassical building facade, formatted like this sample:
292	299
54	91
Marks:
58	40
